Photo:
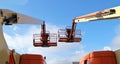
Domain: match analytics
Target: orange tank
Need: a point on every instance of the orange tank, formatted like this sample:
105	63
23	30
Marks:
32	59
99	57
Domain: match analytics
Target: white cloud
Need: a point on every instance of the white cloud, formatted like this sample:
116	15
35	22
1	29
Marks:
21	41
116	40
15	28
73	58
115	43
64	53
107	48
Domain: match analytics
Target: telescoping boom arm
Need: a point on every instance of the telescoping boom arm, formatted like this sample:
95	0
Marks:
9	17
111	13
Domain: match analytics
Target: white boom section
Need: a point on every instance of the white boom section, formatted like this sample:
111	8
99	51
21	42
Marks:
111	13
117	54
21	19
4	51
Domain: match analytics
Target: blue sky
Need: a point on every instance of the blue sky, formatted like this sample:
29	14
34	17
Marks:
58	14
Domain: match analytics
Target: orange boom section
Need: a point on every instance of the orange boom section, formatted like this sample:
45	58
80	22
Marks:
32	59
99	57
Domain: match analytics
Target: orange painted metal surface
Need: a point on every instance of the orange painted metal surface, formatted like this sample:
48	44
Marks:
83	60
32	59
99	57
11	58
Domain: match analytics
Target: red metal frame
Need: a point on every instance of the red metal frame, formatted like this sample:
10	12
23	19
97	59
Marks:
52	40
11	57
69	34
62	36
45	39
